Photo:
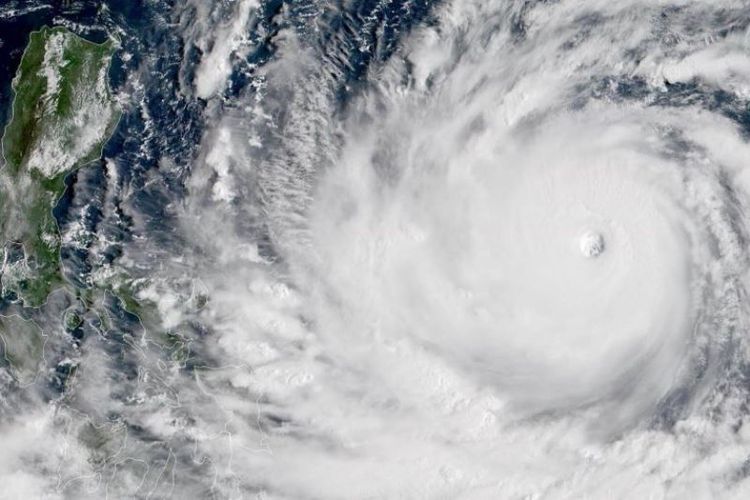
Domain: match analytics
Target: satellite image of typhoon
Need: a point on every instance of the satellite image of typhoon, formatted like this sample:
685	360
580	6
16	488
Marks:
375	249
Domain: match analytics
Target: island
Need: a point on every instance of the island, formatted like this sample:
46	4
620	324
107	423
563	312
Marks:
63	113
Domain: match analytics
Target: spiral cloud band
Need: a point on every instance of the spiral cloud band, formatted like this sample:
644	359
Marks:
526	262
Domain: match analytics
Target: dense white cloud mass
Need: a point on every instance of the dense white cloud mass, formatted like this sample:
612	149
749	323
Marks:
436	330
513	264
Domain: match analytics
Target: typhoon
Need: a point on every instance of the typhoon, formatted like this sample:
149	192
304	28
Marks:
324	249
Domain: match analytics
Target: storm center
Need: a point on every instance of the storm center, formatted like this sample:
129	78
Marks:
592	244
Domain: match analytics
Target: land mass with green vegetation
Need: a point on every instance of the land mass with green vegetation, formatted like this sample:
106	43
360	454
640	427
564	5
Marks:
63	113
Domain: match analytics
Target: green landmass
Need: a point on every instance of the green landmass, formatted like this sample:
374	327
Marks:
22	343
63	112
